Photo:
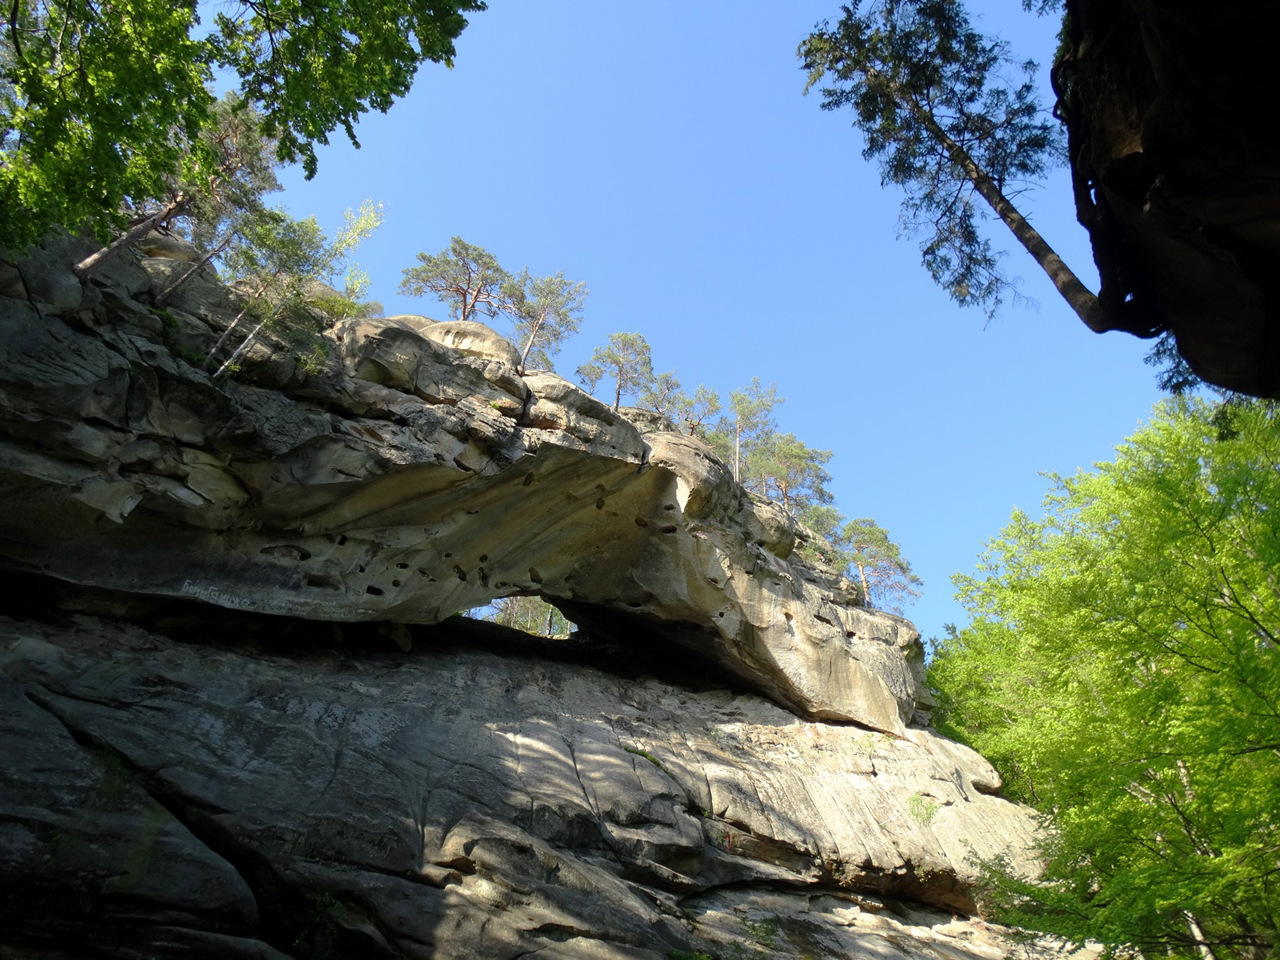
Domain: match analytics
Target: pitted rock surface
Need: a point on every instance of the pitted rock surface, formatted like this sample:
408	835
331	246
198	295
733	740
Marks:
416	475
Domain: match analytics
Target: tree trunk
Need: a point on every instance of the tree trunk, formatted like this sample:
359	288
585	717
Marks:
862	575
1197	934
163	296
239	351
528	345
235	323
129	237
1079	297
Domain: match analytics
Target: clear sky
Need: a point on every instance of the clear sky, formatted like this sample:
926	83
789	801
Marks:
663	153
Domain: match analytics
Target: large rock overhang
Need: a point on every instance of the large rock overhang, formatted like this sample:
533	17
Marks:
1175	153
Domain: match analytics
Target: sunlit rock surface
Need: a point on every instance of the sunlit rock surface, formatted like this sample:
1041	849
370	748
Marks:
405	479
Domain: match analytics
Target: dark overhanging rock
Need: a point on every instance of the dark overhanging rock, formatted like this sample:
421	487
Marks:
1175	155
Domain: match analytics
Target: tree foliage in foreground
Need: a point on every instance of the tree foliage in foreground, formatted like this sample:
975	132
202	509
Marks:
955	123
1121	670
102	106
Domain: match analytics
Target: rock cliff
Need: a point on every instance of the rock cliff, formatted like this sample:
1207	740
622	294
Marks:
242	720
1173	156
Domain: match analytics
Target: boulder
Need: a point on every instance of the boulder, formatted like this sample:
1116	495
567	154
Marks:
473	339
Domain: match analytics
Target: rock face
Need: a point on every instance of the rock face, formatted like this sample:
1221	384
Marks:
407	480
1176	175
240	719
454	803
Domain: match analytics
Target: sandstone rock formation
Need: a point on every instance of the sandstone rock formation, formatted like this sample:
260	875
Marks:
1173	155
240	719
320	799
406	481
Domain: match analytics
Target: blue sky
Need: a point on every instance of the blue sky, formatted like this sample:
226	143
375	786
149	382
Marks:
663	153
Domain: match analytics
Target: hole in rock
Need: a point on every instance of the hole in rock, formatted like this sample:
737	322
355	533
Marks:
669	528
600	504
286	551
484	557
462	574
395	583
373	591
668	506
641	522
534	575
528	479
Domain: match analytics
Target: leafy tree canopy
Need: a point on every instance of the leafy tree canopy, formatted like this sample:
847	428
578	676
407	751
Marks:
465	277
103	106
1121	670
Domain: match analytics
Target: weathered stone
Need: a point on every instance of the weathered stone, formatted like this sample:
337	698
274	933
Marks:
473	339
165	245
306	784
461	804
1177	177
474	484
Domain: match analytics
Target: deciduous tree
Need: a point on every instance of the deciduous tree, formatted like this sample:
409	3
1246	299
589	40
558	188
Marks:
1121	670
279	260
103	106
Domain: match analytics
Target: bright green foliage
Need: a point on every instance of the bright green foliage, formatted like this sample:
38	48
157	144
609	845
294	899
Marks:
783	467
312	68
545	311
626	360
531	615
930	96
1121	670
466	277
101	105
863	548
280	258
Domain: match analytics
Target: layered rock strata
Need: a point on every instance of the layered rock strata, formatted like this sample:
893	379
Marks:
312	799
407	474
240	719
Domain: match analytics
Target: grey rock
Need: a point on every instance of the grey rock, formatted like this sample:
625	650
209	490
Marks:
458	803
